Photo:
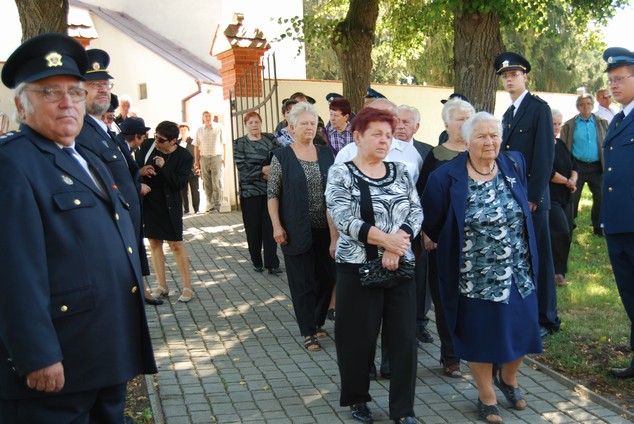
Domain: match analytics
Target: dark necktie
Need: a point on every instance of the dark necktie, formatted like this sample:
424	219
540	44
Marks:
509	116
618	118
70	151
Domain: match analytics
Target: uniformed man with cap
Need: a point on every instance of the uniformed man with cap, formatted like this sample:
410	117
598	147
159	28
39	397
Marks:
97	137
528	128
72	323
371	95
108	116
617	207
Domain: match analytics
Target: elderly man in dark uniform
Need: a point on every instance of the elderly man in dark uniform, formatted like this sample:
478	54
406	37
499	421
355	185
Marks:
100	140
528	129
617	207
72	324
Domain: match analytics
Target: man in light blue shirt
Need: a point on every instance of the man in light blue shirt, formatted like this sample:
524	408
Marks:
583	136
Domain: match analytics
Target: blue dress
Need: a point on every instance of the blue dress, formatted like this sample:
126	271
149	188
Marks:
497	320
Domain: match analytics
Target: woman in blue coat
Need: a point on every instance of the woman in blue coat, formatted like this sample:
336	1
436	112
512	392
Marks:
476	210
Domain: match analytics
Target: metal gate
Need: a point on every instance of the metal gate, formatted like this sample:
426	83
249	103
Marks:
256	90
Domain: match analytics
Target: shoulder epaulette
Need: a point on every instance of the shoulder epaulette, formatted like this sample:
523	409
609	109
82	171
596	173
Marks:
11	135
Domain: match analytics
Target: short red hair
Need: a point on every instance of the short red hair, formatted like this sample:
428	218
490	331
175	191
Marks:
251	115
367	115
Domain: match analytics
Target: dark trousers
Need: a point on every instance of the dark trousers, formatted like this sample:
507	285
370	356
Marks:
592	174
423	301
311	277
546	288
193	186
447	355
99	406
621	252
359	314
257	225
560	220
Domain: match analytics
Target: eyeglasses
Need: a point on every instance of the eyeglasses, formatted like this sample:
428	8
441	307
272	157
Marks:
606	96
100	84
618	80
160	139
510	75
56	94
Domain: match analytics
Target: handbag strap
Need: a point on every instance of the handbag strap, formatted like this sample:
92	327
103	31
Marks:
367	211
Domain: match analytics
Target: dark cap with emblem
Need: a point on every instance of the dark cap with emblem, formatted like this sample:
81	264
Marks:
310	100
373	94
133	125
618	56
114	103
455	96
509	61
332	96
98	61
44	56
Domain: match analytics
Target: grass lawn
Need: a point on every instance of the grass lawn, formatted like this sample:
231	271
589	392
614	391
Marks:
595	329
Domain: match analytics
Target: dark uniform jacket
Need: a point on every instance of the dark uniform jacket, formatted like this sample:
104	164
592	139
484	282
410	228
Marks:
71	278
530	132
617	207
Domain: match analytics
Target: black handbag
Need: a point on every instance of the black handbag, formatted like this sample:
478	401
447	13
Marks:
372	274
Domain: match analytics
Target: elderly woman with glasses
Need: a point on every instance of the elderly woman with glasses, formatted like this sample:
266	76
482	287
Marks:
297	207
165	168
476	210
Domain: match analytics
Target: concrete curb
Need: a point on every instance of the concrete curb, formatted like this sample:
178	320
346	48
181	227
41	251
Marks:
579	388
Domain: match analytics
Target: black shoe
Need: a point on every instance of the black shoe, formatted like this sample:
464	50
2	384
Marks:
372	372
623	372
385	370
361	412
598	232
331	314
258	268
275	271
423	336
406	420
154	302
543	331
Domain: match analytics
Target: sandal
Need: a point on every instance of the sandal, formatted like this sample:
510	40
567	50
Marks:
320	333
311	343
452	370
489	413
184	298
512	394
160	292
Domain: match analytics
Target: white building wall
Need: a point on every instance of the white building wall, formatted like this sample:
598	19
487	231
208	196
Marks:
192	24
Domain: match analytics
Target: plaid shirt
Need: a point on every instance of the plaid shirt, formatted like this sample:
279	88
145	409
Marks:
338	140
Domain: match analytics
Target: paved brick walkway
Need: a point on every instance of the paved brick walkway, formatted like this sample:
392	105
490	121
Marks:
234	354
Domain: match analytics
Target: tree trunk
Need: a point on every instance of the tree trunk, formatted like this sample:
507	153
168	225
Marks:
477	41
352	42
40	16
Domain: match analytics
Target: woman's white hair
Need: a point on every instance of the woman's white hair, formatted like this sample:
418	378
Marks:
300	108
469	125
453	105
556	114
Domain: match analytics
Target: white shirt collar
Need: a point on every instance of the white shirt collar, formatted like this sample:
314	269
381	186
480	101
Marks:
518	102
100	123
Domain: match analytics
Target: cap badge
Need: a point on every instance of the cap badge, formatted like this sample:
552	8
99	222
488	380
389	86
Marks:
505	63
67	180
96	66
610	59
53	60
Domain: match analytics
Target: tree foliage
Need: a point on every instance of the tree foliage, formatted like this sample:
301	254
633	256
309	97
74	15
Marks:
416	41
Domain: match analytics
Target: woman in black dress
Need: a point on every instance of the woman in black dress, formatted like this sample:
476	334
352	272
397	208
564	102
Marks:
165	168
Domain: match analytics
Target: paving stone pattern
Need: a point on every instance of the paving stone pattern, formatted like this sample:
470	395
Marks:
234	353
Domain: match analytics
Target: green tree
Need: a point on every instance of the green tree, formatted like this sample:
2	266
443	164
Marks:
454	42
